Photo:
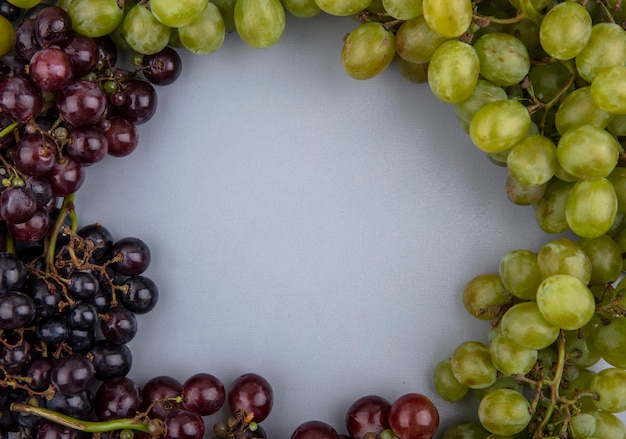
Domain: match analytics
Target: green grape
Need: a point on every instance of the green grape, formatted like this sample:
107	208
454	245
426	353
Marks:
548	81
550	210
526	326
483	93
7	36
563	256
520	275
503	58
227	10
451	18
608	426
95	18
472	366
579	346
302	8
453	71
416	42
608	89
483	294
504	412
177	13
577	109
587	152
591	207
206	33
610	340
499	125
414	72
583	425
143	32
618	179
527	31
343	7
503	382
510	358
524	195
617	125
259	23
610	385
606	259
368	50
533	161
465	430
446	385
537	4
606	48
25	4
565	30
565	301
403	9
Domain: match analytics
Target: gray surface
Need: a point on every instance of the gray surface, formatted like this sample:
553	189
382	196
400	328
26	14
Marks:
306	226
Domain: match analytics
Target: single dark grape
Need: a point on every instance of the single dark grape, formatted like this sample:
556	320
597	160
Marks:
83	52
34	229
51	69
81	340
101	239
140	101
414	416
116	398
53	330
39	373
81	103
118	325
72	374
107	51
134	255
87	144
11	66
66	177
368	414
52	430
314	430
52	26
78	405
159	389
34	154
46	296
17	204
82	315
20	99
16	356
203	394
41	190
17	310
122	137
162	68
12	273
26	44
23	419
102	300
83	285
110	360
253	394
183	424
142	295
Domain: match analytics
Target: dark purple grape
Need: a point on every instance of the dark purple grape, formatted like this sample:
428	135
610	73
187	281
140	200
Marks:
17	310
118	325
87	144
72	374
140	101
253	394
20	99
314	430
41	190
26	44
81	103
162	68
52	430
51	69
78	405
34	229
102	300
203	394
52	26
110	360
9	11
142	295
107	51
101	239
122	137
83	285
16	355
81	340
46	296
39	373
368	414
11	66
183	424
35	154
134	255
159	389
23	419
82	315
17	204
117	398
66	177
13	273
83	52
53	330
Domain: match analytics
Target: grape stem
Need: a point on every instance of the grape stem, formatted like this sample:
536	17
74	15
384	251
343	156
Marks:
527	9
67	208
8	129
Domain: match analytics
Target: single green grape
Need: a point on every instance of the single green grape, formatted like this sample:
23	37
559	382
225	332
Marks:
7	36
537	4
504	59
302	8
565	30
206	33
227	10
618	179
25	4
610	385
608	89
587	152
617	125
577	109
610	340
548	80
342	7
483	294
527	31
591	207
525	325
565	301
368	50
583	425
450	18
177	13
499	125
522	194
414	72
606	259
465	430
143	32
403	9
550	210
606	48
503	382
446	384
510	358
416	41
453	71
533	161
504	412
95	18
483	93
608	426
579	346
564	256
260	23
520	274
472	366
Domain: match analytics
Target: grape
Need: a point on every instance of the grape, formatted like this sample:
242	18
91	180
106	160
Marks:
533	161
260	23
314	430
610	341
17	204
82	315
52	26
7	36
83	51
520	273
484	92
32	230
525	325
416	42
608	425
206	33
368	50
302	8
110	360
525	195
118	325
446	384
403	9
17	310
143	32
203	393
95	18
499	125
142	294
72	374
510	358
565	301
583	425
564	256
608	91
183	424
20	99
579	344
453	71
414	72
342	7
117	398
591	207
162	68
450	18
81	103
253	394
134	256
413	416
87	145
66	177
368	414
565	30
610	385
504	412
577	109
177	13
606	48
122	137
139	102
465	430
587	152
472	366
25	4
503	58
160	388
482	294
605	257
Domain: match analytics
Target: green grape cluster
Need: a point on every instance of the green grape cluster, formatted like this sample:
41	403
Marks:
554	362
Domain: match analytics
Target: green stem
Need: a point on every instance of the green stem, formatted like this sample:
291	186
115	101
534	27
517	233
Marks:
9	243
8	130
153	427
67	208
527	9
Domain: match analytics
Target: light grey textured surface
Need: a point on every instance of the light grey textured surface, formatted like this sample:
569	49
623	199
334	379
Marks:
306	226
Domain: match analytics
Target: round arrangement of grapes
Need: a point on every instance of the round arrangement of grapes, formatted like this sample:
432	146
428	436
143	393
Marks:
538	87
